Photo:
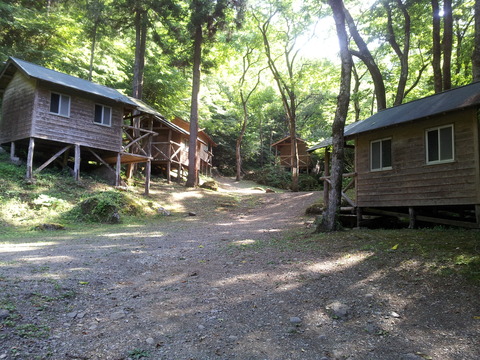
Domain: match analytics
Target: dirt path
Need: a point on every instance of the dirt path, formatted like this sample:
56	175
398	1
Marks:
222	289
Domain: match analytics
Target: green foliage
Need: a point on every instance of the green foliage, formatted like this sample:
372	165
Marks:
273	175
104	207
139	354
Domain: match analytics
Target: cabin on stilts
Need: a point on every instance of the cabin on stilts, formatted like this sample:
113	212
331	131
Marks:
61	118
284	157
419	161
205	146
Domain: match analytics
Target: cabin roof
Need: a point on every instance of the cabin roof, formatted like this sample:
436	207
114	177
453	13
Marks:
447	101
287	138
145	108
69	81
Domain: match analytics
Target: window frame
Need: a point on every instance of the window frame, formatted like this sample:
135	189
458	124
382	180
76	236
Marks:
102	123
60	97
381	168
439	161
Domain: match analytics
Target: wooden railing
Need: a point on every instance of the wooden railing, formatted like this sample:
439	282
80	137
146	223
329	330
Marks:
170	151
351	184
137	140
287	161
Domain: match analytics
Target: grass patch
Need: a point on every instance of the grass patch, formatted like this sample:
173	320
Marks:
436	251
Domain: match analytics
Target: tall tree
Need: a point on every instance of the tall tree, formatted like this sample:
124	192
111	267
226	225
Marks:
245	94
287	81
401	51
364	54
476	51
207	17
330	218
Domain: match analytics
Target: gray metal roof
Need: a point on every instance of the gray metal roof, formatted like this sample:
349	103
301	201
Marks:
56	77
145	108
450	100
454	99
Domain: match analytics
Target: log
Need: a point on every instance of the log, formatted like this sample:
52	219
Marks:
76	169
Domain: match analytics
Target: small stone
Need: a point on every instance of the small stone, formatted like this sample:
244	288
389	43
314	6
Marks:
411	356
233	338
81	315
394	314
191	213
201	327
338	309
295	320
93	327
269	191
369	296
150	341
3	356
4	314
117	315
72	315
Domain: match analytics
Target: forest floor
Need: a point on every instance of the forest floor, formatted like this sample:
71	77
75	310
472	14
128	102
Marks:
248	282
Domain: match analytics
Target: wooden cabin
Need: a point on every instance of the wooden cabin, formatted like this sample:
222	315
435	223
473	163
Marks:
420	160
51	113
169	148
205	146
283	154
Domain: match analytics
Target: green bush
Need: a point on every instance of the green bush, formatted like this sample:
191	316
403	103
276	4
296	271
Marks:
308	182
275	176
105	207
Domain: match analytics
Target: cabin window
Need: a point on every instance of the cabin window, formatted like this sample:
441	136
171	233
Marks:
60	104
381	154
439	144
103	115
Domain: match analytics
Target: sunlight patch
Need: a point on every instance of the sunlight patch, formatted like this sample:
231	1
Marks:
338	264
244	242
24	247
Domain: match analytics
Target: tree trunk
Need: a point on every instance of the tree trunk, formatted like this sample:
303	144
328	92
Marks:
140	45
366	56
436	49
92	49
330	218
447	44
476	50
192	178
238	145
402	54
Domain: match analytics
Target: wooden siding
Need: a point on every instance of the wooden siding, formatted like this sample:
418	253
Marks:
17	109
79	128
411	182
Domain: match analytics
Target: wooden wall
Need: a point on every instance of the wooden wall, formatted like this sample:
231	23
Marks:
413	183
79	128
17	108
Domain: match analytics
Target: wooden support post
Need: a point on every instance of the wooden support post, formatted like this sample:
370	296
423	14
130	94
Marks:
169	156
148	169
412	214
118	179
179	174
359	216
31	147
76	168
12	151
65	158
49	161
477	214
326	172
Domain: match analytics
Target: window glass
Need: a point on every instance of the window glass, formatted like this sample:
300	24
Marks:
376	155
98	114
440	144
386	153
107	115
432	138
64	106
54	103
446	148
